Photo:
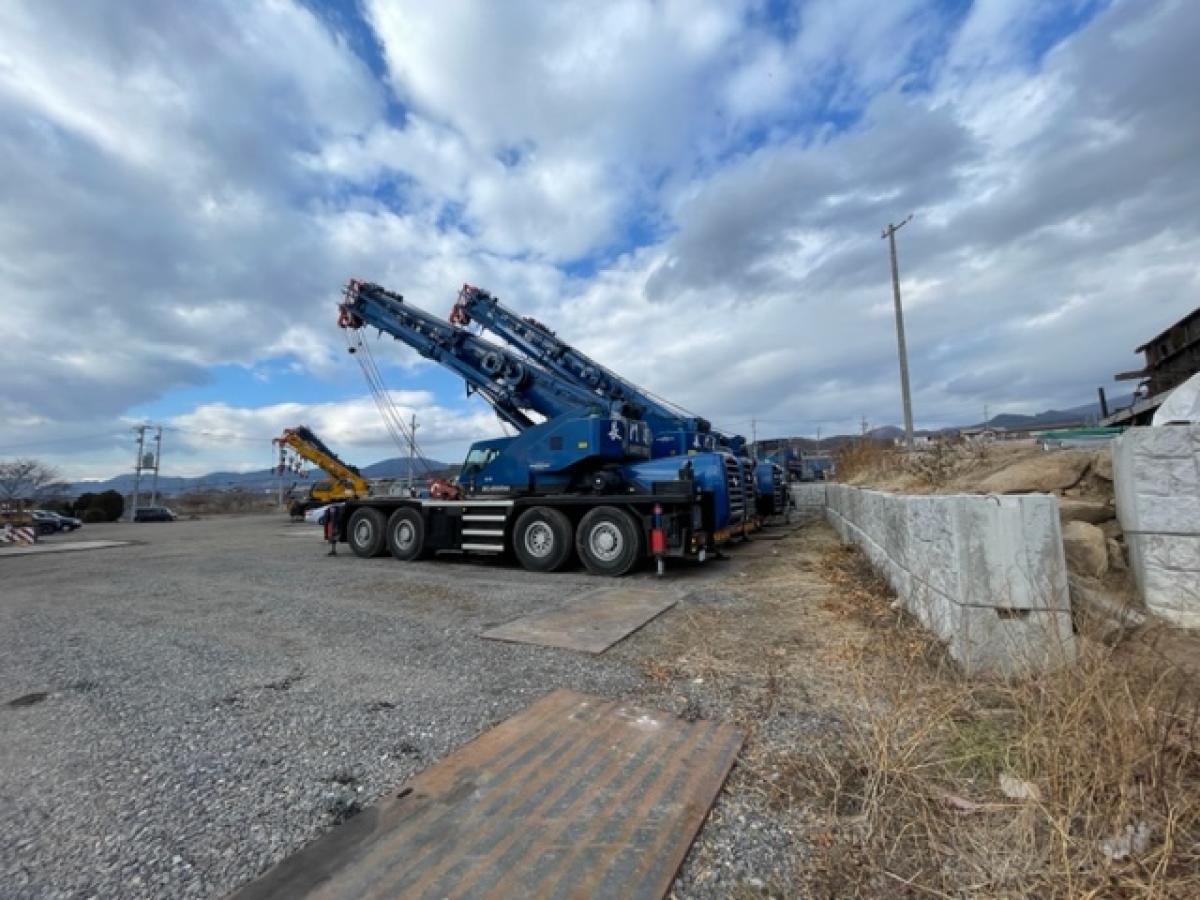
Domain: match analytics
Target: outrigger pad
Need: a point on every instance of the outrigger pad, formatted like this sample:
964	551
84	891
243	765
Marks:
574	796
592	622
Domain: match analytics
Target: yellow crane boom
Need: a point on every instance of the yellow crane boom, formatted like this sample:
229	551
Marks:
345	481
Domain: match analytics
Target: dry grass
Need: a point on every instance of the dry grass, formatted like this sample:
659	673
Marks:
865	457
1107	753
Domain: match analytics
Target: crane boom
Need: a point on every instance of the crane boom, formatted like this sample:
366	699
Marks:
545	348
514	386
307	445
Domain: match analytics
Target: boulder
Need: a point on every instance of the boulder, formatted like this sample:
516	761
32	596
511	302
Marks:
1092	511
1086	549
1102	464
1052	471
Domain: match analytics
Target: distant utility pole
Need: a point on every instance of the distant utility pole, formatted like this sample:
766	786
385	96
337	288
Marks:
890	234
137	471
754	434
157	456
145	462
412	449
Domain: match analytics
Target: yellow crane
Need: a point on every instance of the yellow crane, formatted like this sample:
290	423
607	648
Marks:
345	482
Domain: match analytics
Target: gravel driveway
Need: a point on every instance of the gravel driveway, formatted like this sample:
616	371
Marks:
178	714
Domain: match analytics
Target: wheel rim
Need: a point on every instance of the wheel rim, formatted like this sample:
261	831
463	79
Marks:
605	541
539	539
363	533
405	535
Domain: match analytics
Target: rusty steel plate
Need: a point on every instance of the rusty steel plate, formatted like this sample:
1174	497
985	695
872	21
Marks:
575	796
592	622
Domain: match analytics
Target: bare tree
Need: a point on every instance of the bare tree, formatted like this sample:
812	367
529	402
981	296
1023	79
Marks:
25	479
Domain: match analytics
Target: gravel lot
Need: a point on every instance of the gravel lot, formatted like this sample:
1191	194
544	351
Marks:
178	714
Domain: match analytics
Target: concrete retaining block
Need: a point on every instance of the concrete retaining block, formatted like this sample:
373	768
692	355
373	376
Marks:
1156	478
807	495
986	574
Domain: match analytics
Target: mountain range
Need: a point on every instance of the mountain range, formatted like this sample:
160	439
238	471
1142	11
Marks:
259	480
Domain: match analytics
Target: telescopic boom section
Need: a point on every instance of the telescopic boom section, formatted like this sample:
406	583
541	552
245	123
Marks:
513	386
545	348
313	449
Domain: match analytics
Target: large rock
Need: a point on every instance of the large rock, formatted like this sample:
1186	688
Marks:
1092	511
1052	471
1086	549
1102	464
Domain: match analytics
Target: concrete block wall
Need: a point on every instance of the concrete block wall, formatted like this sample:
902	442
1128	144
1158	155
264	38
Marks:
1156	478
986	574
808	494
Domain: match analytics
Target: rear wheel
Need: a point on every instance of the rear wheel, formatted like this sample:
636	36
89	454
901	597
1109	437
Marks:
365	532
406	535
542	539
609	541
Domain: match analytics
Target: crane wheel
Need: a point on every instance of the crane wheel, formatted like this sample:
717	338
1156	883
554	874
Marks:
406	535
542	539
609	541
365	532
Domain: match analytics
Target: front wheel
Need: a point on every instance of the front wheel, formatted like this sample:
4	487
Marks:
609	541
542	539
365	532
406	535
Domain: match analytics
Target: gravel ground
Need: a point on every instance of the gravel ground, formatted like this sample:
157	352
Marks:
178	714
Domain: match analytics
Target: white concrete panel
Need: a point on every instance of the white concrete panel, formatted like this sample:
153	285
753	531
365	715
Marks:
985	574
1156	477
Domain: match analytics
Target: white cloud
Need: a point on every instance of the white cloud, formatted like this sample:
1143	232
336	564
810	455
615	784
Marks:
189	186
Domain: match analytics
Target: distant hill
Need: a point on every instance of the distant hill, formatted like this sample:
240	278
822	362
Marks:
1088	412
259	480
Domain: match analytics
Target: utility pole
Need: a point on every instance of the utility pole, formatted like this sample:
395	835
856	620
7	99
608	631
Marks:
412	449
137	471
157	457
754	434
890	234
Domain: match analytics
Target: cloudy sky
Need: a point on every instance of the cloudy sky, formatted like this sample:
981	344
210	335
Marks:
693	192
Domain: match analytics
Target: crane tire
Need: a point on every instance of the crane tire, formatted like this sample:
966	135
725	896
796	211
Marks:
406	535
609	541
364	532
542	539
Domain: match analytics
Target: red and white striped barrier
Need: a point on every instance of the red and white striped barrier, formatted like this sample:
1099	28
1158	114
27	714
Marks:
20	534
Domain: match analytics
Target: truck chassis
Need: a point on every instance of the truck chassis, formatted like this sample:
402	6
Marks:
610	533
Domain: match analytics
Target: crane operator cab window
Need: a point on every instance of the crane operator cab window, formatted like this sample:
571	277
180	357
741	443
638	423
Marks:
477	458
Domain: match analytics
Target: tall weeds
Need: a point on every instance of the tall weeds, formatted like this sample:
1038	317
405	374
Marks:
1083	782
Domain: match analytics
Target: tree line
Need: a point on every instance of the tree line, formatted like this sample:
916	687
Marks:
32	481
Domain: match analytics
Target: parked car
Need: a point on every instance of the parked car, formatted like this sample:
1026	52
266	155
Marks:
316	515
45	522
154	514
65	523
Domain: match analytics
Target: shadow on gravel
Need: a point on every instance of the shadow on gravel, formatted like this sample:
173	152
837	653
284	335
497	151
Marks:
28	699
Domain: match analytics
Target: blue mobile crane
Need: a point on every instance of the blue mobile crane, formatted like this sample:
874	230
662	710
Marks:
676	432
578	477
